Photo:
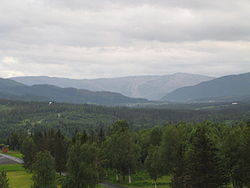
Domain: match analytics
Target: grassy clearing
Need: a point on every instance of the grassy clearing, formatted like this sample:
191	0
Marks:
4	107
148	183
20	179
11	167
142	180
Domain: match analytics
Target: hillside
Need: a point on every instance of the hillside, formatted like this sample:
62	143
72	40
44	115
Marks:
232	87
70	117
10	89
149	87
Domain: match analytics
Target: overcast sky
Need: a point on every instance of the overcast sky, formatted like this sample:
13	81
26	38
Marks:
110	38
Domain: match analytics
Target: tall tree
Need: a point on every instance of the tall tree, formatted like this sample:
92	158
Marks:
4	181
121	150
44	174
170	144
179	173
83	166
153	163
231	149
29	150
155	136
245	157
60	152
205	168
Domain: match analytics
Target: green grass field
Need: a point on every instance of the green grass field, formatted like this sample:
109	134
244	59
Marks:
11	167
141	180
147	183
19	179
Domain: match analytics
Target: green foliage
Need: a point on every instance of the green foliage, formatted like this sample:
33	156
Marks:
153	163
31	117
121	149
94	147
60	152
180	172
83	166
244	162
205	169
28	150
4	182
44	175
171	141
156	136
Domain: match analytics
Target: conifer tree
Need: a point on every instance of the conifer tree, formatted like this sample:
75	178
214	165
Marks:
44	174
60	152
4	182
29	150
245	158
179	177
205	168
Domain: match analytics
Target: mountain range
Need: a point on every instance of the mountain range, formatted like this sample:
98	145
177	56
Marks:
226	88
148	87
112	91
13	90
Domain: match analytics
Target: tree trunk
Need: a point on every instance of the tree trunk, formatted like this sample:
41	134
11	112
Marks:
117	177
129	177
155	185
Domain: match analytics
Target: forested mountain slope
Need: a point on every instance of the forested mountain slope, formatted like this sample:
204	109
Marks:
10	89
232	87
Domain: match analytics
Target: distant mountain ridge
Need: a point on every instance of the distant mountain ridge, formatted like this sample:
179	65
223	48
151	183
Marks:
149	87
231	87
10	89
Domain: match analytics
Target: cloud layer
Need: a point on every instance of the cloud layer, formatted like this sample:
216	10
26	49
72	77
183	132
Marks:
109	38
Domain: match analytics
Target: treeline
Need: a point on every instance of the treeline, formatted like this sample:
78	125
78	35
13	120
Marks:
195	155
40	116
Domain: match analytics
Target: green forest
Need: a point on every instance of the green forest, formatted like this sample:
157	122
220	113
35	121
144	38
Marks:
190	154
17	116
78	146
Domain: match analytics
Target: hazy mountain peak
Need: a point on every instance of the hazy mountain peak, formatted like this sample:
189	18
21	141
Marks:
152	87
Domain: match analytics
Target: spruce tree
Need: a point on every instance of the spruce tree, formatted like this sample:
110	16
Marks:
44	174
60	152
29	150
4	180
205	168
179	175
245	158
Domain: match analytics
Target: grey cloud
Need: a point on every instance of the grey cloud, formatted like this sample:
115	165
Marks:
109	38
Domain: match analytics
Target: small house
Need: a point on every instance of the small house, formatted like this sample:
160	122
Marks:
5	149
